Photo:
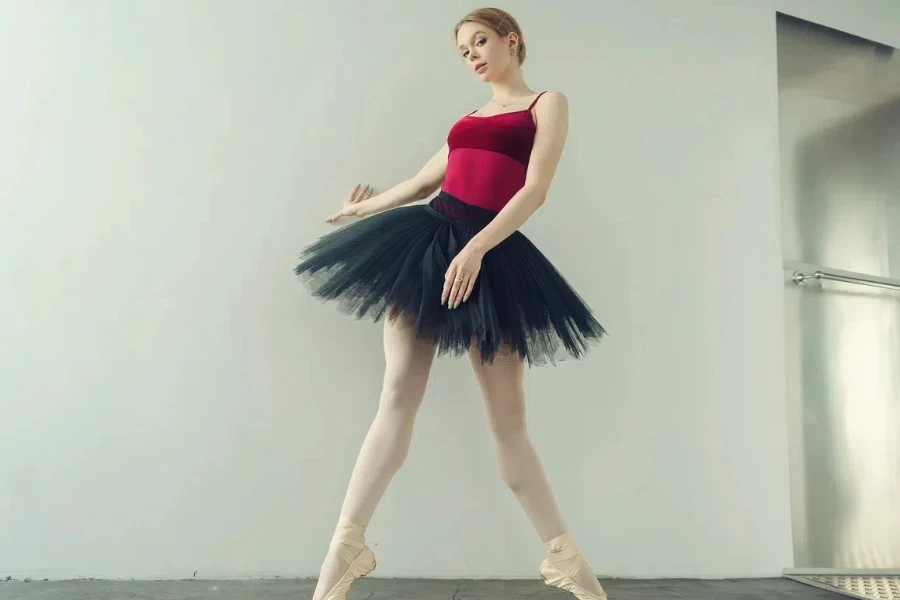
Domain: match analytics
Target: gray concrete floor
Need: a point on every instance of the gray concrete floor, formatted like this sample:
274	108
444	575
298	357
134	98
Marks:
410	589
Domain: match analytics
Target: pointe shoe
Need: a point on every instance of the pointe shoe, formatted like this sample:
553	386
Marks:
564	551
358	566
361	566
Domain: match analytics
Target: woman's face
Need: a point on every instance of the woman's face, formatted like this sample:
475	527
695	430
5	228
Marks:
484	52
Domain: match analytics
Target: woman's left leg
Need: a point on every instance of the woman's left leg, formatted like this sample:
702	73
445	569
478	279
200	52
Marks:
502	390
502	387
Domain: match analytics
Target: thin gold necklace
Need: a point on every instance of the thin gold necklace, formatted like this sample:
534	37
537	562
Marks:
508	103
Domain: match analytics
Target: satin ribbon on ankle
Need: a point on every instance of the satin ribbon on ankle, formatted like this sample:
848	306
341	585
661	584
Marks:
563	545
562	550
350	534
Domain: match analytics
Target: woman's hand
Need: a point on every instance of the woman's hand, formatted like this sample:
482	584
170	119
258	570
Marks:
461	275
351	205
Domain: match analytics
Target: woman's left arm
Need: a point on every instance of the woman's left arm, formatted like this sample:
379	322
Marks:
552	117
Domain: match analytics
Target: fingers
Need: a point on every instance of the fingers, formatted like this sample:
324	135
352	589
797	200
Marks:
336	216
469	287
448	285
464	290
454	292
360	194
351	197
457	289
356	195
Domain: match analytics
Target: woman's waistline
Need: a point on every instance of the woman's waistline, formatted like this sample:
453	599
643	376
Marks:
449	207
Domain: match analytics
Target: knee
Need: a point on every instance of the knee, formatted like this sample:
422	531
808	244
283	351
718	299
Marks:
513	480
509	427
514	467
400	397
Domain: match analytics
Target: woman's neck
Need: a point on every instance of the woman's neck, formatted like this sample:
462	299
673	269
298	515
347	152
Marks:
510	88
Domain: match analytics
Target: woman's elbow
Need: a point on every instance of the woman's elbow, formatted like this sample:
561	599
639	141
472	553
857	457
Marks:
539	193
425	190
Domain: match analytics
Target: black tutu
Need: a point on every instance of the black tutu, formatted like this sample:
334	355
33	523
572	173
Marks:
394	263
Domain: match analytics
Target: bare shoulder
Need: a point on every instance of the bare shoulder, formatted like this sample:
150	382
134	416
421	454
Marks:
553	99
552	108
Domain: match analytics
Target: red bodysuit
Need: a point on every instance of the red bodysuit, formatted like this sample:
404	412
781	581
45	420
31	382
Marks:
489	157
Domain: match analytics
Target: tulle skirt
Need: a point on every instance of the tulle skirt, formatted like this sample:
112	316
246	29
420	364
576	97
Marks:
393	263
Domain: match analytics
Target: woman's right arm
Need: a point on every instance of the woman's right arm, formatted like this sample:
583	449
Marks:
423	184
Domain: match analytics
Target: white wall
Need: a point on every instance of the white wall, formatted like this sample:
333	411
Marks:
173	401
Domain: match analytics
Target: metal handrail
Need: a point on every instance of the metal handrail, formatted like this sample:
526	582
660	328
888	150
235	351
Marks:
800	278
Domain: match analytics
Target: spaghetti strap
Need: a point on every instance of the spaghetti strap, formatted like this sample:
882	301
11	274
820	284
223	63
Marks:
536	99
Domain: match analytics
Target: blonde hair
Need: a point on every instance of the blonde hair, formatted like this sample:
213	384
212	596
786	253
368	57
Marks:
500	21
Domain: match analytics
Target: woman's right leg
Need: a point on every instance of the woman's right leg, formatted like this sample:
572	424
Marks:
407	366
